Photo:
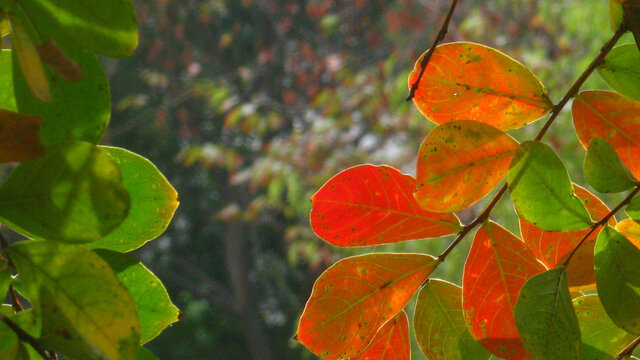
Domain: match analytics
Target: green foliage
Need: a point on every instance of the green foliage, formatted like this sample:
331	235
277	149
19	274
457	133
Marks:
604	170
621	70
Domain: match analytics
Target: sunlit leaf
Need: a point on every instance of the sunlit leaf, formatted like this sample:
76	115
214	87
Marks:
497	266
608	115
633	209
541	190
146	354
5	27
621	70
391	342
369	205
29	60
440	327
352	299
617	266
631	230
604	170
545	318
459	163
19	137
467	81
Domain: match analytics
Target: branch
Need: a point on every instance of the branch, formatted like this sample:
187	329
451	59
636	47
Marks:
26	337
629	349
427	56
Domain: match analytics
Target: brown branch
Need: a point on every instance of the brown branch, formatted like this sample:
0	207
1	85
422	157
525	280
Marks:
629	349
26	337
427	56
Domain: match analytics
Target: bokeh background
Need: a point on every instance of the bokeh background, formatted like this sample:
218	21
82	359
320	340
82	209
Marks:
249	106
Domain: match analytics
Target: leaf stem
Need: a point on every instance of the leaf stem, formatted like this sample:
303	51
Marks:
629	349
427	56
25	336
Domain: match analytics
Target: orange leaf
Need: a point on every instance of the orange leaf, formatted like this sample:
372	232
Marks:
631	230
19	137
608	115
498	265
459	163
391	342
467	81
352	299
29	60
370	205
552	247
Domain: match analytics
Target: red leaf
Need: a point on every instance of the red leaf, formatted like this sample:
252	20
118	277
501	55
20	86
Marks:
391	342
19	137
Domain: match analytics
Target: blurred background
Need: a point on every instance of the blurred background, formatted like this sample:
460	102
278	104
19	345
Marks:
249	106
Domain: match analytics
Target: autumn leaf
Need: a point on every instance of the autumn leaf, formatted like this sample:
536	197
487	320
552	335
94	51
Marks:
19	137
391	341
29	60
52	55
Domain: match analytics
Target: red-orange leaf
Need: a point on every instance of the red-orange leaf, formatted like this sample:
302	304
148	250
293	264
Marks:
352	299
498	265
459	163
19	137
467	81
370	205
552	247
631	230
613	117
391	342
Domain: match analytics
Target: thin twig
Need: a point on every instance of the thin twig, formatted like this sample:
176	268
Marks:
629	349
25	336
425	60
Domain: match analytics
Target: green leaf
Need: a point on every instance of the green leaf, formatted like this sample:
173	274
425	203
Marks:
542	192
621	70
153	202
633	209
73	194
601	338
86	311
7	95
545	318
155	309
5	278
145	354
617	268
440	327
604	170
11	347
615	14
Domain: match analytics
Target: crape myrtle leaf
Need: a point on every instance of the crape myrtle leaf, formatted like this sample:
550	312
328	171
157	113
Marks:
10	346
467	81
604	170
370	205
545	318
353	298
5	27
608	115
631	230
551	247
51	54
7	94
155	309
29	60
617	266
391	341
440	327
541	190
497	266
19	137
5	278
146	354
459	163
633	209
72	194
601	338
615	14
631	18
153	202
621	70
86	311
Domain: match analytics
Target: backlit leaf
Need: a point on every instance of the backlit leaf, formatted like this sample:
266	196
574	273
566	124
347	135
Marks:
615	14
5	278
621	70
51	54
146	354
498	265
545	318
631	230
633	209
353	298
29	60
19	137
541	190
391	342
617	266
370	205
603	169
440	327
608	115
467	81
459	163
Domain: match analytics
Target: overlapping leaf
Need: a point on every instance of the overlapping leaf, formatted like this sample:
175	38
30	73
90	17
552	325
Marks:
604	170
391	342
621	70
369	205
19	137
459	163
498	265
631	230
352	299
633	209
27	57
467	81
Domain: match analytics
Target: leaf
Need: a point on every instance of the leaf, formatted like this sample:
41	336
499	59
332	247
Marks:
5	27
51	54
153	202
545	318
633	209
552	247
610	116
7	95
155	309
5	278
391	341
604	170
617	266
370	205
459	163
440	327
86	312
541	190
467	81
621	70
146	354
72	194
353	298
632	18
29	60
615	14
19	137
601	338
497	266
11	347
631	230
